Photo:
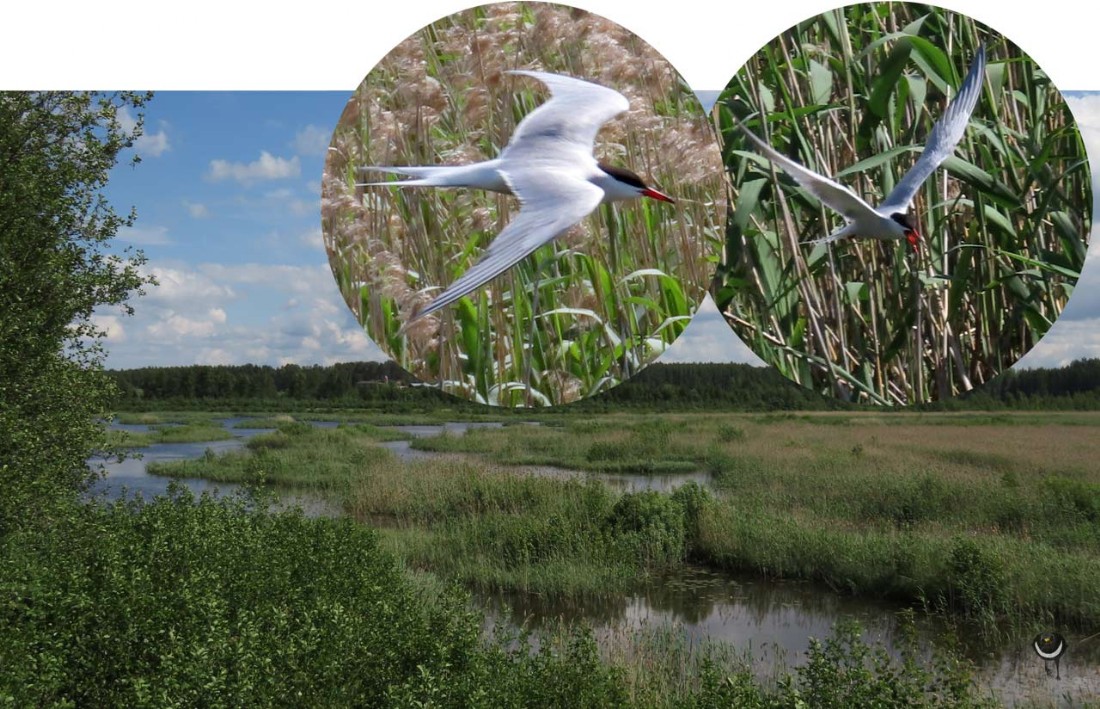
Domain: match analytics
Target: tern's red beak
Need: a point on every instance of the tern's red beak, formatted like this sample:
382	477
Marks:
647	192
913	237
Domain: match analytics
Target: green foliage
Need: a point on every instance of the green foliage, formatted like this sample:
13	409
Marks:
728	434
845	671
298	453
789	500
651	523
177	603
1072	501
911	500
977	580
692	499
209	603
55	270
186	433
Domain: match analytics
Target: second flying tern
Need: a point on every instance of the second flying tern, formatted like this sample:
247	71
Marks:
549	166
890	220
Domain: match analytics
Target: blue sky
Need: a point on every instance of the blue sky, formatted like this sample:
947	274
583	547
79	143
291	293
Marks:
227	194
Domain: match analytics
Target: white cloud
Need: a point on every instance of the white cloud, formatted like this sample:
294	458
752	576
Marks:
1086	110
1066	341
214	356
300	207
175	328
237	314
313	238
303	207
112	326
327	334
293	279
152	144
144	235
267	167
312	140
176	286
147	144
197	210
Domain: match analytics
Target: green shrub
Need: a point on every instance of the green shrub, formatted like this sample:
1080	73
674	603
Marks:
1071	500
907	502
649	524
976	580
601	451
181	602
691	498
728	433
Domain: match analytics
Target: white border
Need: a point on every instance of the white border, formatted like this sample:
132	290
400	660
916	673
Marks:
329	45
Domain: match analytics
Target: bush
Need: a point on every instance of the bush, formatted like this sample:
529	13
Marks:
844	671
1072	501
976	580
650	525
691	497
907	502
181	602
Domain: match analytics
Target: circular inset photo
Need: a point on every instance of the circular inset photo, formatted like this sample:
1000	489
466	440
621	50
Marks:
910	205
523	204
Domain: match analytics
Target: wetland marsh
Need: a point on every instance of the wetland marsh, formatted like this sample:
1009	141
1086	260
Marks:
983	524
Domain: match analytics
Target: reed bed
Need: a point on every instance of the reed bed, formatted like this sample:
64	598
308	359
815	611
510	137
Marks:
613	292
991	519
1004	222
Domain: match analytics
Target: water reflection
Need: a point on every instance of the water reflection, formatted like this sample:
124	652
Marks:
771	623
715	606
129	477
623	482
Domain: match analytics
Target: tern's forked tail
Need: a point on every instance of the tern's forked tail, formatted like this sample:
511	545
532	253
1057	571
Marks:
483	175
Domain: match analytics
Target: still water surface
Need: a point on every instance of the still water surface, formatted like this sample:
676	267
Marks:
129	477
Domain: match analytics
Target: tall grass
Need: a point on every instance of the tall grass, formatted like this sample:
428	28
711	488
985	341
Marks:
613	292
990	521
1004	222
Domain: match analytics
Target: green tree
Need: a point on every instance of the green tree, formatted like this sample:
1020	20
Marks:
56	267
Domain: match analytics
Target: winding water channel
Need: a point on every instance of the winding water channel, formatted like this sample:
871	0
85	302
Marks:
770	622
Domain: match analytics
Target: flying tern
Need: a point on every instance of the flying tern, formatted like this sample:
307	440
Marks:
890	220
548	164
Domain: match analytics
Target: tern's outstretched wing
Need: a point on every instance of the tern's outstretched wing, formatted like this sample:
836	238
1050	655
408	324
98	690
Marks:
833	194
549	207
567	124
941	142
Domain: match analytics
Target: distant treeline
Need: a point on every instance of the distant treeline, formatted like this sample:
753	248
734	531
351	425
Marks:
660	386
1075	386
